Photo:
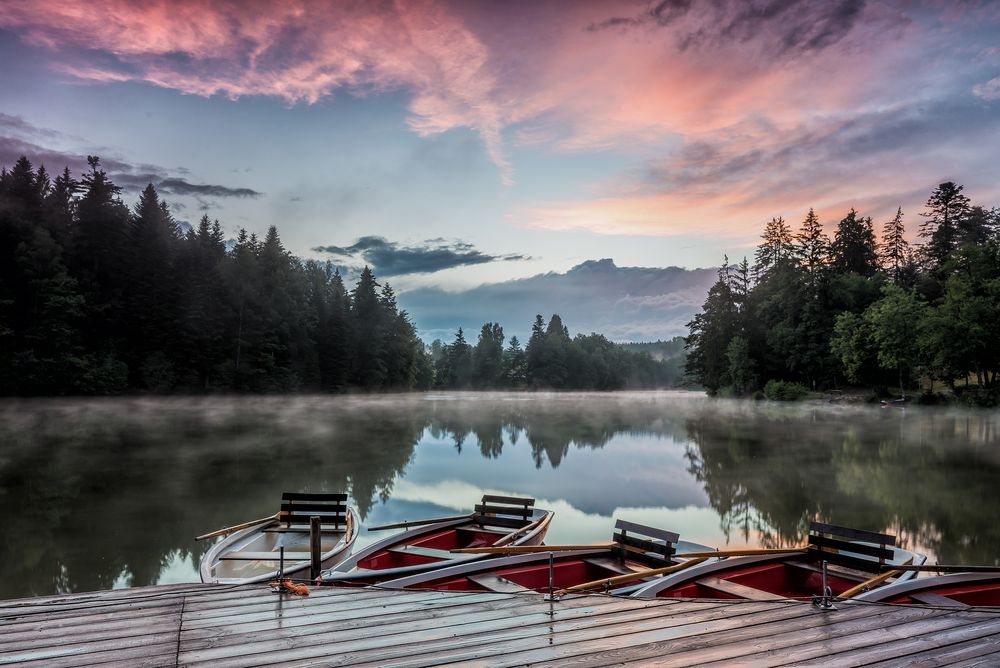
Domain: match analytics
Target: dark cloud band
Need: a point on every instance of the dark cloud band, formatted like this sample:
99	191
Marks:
391	259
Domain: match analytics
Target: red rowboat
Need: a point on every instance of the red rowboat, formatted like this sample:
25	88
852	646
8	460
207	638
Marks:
498	520
636	549
853	560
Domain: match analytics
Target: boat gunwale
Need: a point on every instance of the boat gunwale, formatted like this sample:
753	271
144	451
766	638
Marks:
918	585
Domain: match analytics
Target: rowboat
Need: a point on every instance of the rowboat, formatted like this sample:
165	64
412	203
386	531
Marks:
253	551
427	544
956	590
837	561
637	551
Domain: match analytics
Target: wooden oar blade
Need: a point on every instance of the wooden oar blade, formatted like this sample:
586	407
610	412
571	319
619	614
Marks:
630	577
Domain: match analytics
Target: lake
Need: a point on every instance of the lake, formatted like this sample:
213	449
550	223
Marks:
101	493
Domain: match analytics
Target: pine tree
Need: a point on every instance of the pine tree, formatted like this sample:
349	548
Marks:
369	368
488	356
812	246
853	249
894	249
777	247
946	208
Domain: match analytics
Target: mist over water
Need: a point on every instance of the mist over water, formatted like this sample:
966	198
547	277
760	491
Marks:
98	493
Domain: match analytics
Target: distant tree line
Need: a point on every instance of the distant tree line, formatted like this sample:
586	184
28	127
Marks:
98	298
859	309
550	359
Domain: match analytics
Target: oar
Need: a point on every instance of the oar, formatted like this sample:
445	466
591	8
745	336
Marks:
872	582
529	549
414	523
941	568
752	552
629	577
223	532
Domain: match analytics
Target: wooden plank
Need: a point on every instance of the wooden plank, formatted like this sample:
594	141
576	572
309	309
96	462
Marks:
935	657
303	496
491	520
930	598
632	527
421	551
665	549
853	534
738	590
522	644
497	583
512	500
891	640
729	636
341	623
733	646
481	509
400	639
859	548
126	657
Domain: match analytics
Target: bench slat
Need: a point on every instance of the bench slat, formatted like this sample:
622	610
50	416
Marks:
736	589
853	534
653	532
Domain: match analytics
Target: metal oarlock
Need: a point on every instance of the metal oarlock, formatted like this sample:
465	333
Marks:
825	602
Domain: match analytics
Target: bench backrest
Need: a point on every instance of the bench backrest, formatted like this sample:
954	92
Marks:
647	544
869	550
504	511
297	508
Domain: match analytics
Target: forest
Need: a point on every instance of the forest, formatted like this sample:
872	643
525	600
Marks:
816	313
100	298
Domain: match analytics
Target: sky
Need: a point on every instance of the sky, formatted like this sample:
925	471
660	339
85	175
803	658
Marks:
468	146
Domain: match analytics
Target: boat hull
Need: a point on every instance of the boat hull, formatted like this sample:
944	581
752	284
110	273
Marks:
388	558
216	567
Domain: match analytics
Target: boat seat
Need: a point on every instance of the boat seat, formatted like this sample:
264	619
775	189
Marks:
930	598
736	589
265	556
612	565
323	528
422	551
813	568
497	583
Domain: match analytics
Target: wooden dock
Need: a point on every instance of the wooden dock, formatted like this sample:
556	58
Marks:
221	626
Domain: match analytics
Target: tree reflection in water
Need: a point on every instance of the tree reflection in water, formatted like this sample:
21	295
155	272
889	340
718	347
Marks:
97	491
929	476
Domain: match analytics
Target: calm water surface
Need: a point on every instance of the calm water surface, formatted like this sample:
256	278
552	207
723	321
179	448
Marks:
109	493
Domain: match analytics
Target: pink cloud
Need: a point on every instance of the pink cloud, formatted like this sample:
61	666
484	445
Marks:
300	51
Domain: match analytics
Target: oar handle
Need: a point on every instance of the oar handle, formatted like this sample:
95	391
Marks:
875	581
245	525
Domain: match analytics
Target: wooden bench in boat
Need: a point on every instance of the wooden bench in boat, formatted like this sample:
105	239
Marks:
482	529
813	568
497	583
652	546
422	551
736	589
868	550
264	556
610	564
503	511
930	598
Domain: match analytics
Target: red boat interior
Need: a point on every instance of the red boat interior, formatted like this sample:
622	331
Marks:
567	572
788	579
430	547
972	593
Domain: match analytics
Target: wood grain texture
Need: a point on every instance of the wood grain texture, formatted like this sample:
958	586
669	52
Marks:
248	625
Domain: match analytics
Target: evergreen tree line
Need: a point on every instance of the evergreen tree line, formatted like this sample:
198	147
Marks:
550	359
859	308
100	298
97	298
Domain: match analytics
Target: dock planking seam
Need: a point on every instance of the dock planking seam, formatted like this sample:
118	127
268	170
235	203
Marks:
403	637
162	626
901	646
482	645
669	636
725	647
441	616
